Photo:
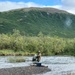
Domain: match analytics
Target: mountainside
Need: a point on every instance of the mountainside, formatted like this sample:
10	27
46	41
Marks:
31	21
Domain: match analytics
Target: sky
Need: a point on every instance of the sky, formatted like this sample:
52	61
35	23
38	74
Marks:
68	5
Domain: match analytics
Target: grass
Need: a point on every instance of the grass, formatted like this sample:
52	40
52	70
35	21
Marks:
16	59
6	52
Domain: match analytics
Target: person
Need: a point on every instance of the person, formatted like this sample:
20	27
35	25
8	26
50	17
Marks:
34	57
38	58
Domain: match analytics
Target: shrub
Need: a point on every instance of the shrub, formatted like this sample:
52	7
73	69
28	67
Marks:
16	59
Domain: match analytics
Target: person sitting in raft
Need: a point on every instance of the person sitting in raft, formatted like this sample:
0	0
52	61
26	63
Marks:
37	57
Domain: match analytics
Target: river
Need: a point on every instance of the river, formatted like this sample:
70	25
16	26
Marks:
59	65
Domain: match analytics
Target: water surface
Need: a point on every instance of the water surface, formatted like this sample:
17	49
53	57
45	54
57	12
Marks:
59	65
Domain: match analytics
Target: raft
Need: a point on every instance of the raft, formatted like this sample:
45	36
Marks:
38	64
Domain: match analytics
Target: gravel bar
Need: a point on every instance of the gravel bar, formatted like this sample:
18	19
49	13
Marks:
28	70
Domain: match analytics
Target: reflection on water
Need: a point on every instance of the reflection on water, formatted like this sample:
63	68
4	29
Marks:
59	65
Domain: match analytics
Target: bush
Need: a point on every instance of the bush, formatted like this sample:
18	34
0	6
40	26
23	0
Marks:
16	59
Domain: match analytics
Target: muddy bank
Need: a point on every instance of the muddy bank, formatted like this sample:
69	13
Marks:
29	70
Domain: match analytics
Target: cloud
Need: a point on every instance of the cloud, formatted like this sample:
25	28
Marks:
54	6
68	5
7	5
4	6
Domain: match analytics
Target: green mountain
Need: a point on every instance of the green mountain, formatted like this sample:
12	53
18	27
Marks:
31	21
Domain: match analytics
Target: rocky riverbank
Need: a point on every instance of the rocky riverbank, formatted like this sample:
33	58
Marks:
28	70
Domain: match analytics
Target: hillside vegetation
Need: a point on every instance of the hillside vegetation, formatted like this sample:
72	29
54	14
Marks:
25	31
31	21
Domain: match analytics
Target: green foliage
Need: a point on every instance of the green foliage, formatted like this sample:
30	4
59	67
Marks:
29	45
31	21
25	31
7	52
16	59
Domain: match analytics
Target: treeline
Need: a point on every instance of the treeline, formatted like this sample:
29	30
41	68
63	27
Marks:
31	44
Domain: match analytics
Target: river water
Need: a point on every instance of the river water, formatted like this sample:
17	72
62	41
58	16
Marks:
59	65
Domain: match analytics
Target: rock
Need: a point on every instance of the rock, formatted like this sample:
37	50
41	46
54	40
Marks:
28	70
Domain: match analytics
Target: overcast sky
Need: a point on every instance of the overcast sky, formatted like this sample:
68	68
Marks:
68	5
